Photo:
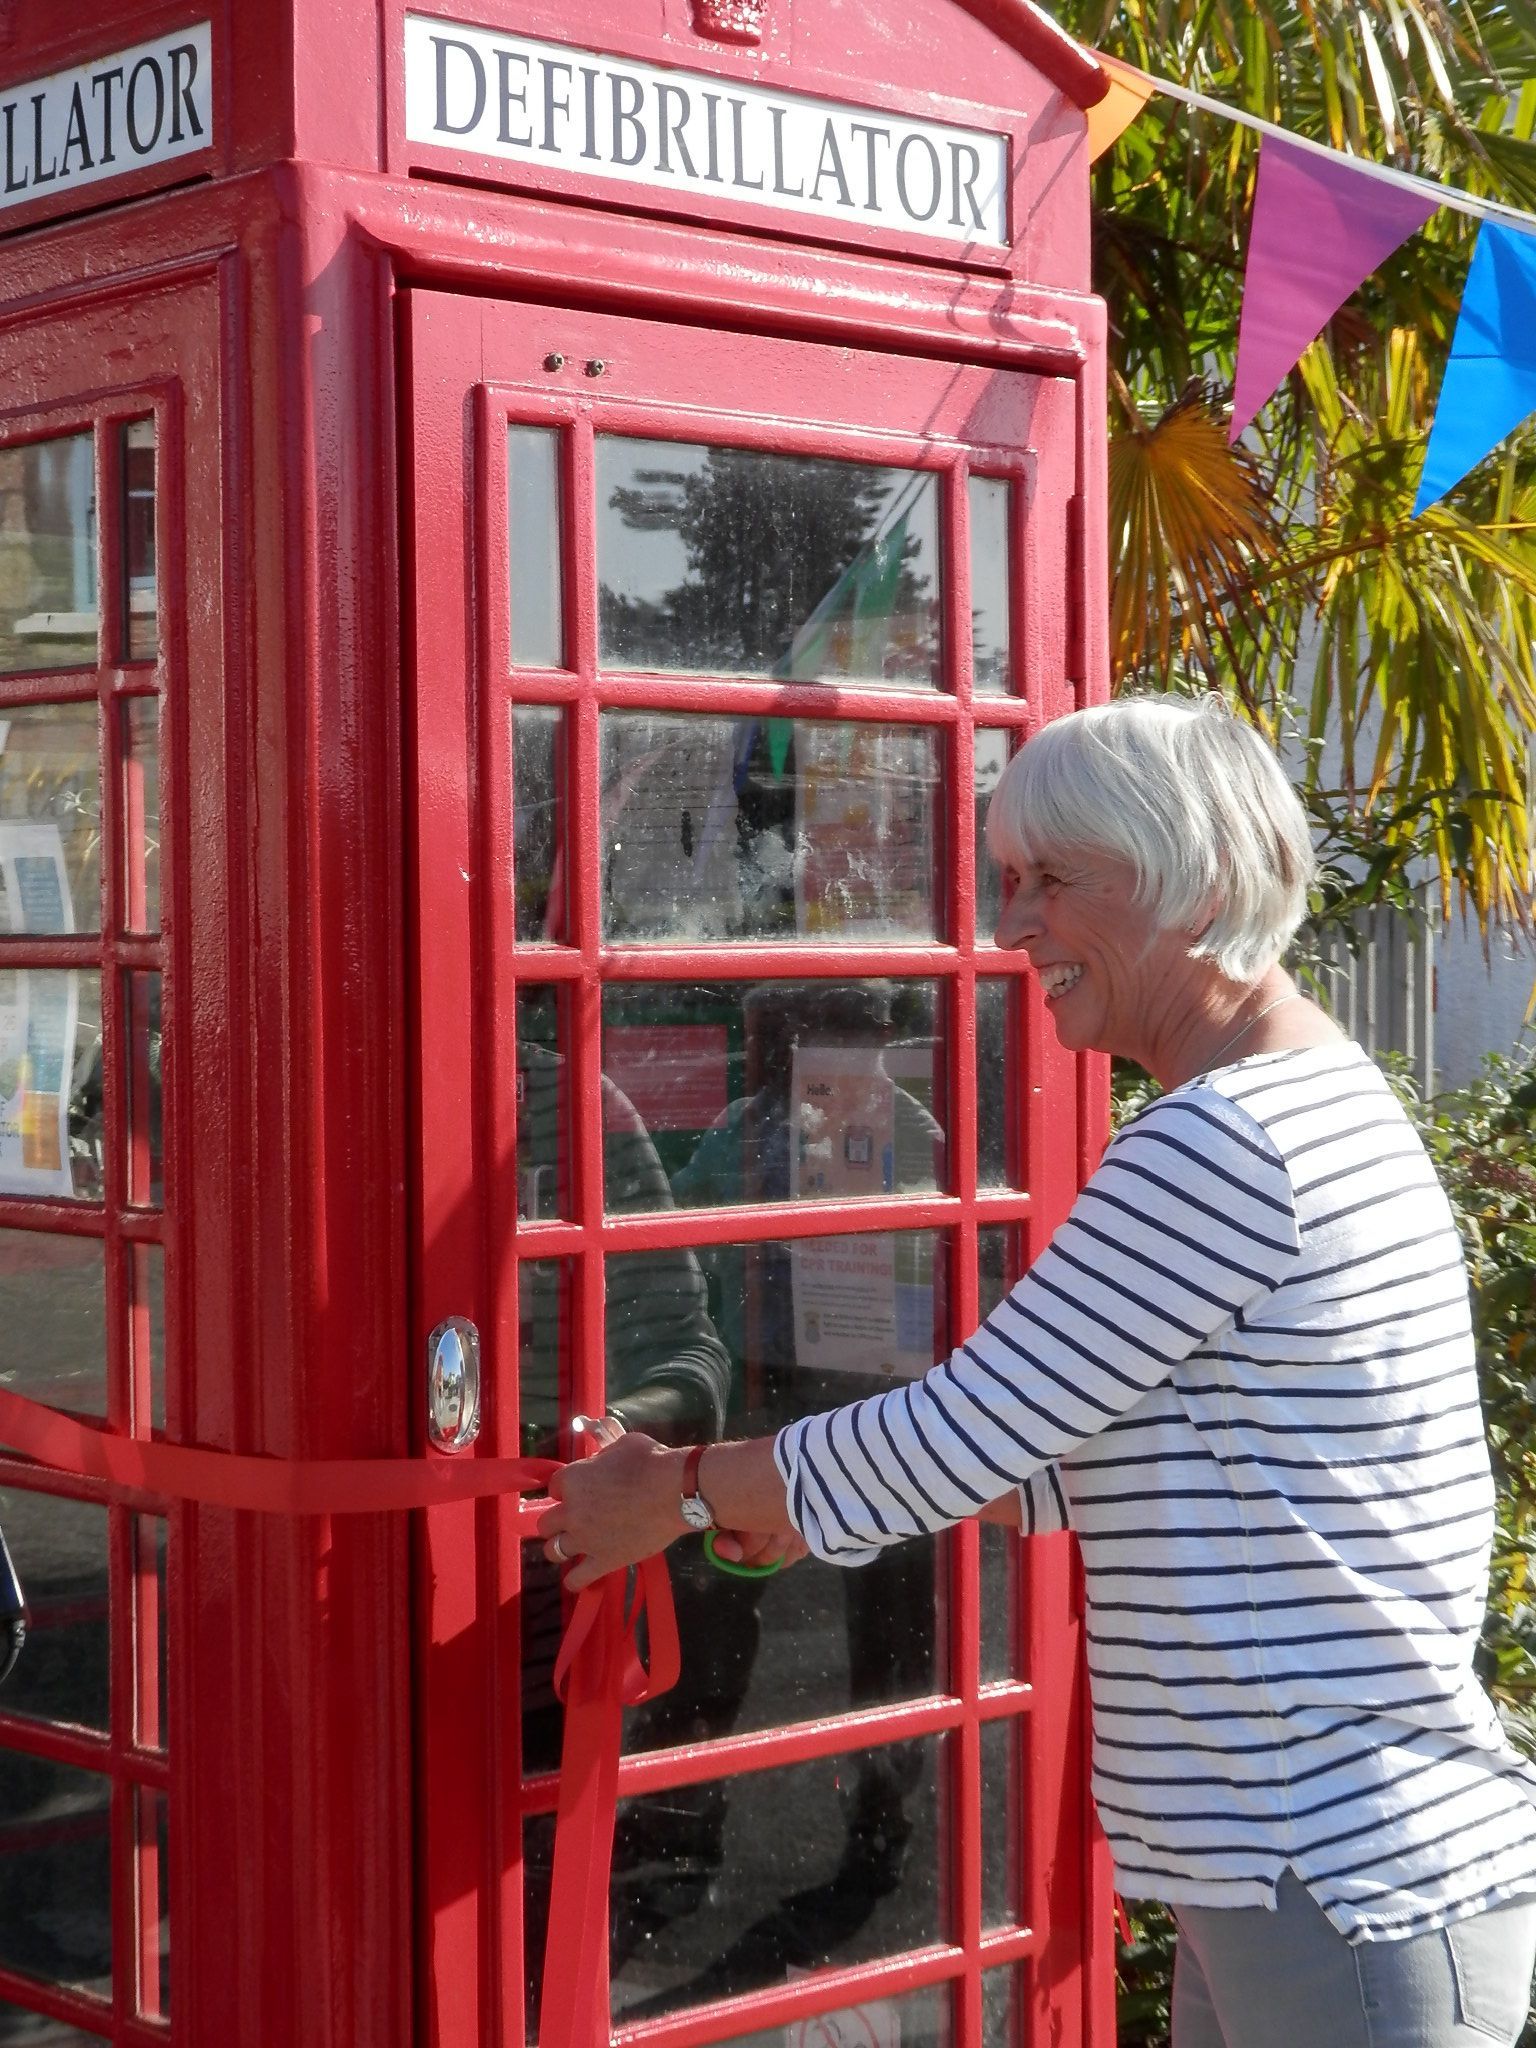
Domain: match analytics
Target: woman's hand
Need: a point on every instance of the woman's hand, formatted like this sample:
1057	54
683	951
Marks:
745	1546
613	1509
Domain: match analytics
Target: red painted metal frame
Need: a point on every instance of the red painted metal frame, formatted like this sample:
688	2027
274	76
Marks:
254	306
129	1753
475	367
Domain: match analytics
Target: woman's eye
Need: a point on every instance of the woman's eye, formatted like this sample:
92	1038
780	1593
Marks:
1050	881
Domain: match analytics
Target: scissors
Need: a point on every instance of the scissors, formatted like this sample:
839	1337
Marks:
605	1430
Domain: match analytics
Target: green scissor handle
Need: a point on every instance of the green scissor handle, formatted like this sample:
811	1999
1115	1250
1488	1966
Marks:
733	1570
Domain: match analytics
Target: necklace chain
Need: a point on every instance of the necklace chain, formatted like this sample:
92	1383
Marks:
1243	1029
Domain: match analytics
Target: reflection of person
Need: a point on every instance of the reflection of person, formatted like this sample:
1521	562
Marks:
750	1155
667	1371
1247	1353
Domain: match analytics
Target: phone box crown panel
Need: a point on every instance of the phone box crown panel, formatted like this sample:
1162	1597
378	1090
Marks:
817	119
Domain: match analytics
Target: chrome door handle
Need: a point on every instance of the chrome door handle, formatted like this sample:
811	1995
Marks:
453	1384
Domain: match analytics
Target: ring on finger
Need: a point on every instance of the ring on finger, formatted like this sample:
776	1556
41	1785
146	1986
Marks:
557	1545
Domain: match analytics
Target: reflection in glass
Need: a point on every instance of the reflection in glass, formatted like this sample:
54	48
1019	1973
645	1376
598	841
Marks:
146	1142
55	1877
141	814
543	1147
53	1309
50	1082
50	819
995	1052
991	581
146	1334
999	1546
1001	2007
775	1091
533	543
800	1883
543	1352
992	751
153	1904
60	1551
538	812
731	561
919	2020
150	1630
48	555
719	828
141	630
20	2029
1001	1769
804	1326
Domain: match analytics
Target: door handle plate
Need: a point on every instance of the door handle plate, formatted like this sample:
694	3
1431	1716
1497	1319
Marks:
453	1384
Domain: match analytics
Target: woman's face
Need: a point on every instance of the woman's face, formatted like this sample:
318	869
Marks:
1110	976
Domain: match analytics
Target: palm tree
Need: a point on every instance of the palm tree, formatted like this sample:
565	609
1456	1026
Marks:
1289	571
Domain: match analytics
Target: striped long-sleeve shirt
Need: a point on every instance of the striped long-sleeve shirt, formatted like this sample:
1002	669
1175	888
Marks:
1246	1362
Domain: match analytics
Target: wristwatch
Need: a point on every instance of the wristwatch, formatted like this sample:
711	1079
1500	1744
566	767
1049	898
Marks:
695	1509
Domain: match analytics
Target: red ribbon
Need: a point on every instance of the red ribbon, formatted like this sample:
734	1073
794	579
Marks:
599	1671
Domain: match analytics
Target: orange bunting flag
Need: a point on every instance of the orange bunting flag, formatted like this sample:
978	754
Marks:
1128	93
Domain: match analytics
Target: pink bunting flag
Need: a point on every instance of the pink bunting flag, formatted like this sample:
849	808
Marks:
1320	227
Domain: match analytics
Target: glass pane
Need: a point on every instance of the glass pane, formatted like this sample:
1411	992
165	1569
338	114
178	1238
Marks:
992	751
812	1869
1001	2007
783	1330
150	1630
730	561
141	631
153	1904
920	2020
996	1141
1001	1766
999	1546
146	1147
19	2029
543	1351
53	1309
723	828
55	1873
141	814
59	1548
538	811
542	1109
533	541
991	581
50	819
146	1336
726	1092
48	555
50	1082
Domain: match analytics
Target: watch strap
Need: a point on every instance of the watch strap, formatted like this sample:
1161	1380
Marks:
703	1515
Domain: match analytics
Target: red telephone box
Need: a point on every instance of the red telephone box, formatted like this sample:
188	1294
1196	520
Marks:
527	532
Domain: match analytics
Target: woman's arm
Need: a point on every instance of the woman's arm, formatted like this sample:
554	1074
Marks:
622	1505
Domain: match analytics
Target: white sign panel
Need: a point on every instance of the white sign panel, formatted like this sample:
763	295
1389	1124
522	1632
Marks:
684	132
138	107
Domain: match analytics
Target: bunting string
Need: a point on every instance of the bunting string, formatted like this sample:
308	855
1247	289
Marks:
1382	174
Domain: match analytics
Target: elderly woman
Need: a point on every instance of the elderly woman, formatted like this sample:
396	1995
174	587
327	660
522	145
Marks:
1245	1361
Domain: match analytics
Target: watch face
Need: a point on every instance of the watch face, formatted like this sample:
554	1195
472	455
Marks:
697	1512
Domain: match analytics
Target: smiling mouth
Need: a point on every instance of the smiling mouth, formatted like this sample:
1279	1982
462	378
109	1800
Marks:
1055	981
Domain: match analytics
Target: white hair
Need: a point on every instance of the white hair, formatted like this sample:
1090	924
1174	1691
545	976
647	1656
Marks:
1190	795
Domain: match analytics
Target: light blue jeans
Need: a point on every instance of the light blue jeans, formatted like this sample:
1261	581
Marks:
1245	1977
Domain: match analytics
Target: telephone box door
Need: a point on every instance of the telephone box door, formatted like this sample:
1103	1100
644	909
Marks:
727	1109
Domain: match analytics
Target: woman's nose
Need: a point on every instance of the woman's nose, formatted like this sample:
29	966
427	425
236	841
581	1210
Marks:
1017	921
